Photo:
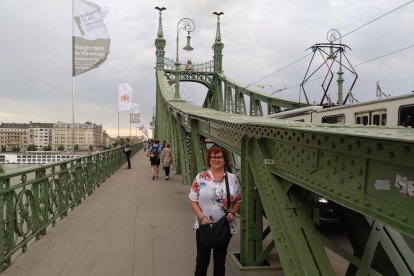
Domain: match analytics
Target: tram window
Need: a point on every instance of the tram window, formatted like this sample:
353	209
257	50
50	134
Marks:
365	120
376	119
358	121
336	119
406	116
301	120
384	119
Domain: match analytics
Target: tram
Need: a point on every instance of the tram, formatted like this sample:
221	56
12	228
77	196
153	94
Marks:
389	111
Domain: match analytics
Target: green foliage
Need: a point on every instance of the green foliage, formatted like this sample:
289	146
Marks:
90	147
76	147
15	149
3	148
122	141
47	148
61	147
31	148
115	144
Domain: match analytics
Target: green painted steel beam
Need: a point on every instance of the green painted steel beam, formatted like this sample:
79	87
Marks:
263	97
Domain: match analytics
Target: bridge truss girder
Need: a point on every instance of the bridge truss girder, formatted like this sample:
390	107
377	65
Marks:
286	166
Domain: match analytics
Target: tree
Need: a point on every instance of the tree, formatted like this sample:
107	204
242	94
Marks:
15	149
115	144
3	148
47	148
32	148
76	147
121	141
61	147
90	147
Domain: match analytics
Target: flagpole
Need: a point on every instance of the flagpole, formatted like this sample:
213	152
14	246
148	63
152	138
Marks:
73	116
118	124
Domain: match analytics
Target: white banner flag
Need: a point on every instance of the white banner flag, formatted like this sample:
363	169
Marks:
124	97
135	109
134	118
90	39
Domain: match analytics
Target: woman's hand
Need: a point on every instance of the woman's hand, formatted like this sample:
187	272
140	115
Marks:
230	217
205	220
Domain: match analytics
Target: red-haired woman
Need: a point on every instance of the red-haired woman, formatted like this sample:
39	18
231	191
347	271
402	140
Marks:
208	199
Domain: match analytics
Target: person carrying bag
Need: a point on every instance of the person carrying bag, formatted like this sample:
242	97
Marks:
215	197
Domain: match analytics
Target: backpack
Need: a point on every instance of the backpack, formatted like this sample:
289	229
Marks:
154	152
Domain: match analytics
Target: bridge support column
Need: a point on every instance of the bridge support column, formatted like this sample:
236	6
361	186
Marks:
199	146
251	225
176	144
185	152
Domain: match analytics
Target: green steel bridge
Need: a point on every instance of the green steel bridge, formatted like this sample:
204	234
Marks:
285	167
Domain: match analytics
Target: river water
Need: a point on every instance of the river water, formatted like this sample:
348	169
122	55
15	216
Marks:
13	167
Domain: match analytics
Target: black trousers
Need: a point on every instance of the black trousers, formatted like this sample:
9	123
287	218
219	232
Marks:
167	171
203	258
128	154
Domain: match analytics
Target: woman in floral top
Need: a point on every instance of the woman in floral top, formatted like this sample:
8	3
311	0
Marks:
208	199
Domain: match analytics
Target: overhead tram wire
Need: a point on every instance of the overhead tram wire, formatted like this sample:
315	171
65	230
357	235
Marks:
385	55
341	36
378	18
354	66
278	70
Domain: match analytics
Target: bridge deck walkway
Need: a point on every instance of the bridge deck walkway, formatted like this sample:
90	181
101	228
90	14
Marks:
131	225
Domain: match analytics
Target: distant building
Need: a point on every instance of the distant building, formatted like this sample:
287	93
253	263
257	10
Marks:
14	135
40	134
86	135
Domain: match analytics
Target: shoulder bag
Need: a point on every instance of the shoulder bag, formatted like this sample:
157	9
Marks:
217	234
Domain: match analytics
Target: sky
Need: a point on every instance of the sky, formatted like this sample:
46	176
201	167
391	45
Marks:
260	37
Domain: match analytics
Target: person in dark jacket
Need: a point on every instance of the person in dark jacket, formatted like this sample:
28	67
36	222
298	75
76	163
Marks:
127	151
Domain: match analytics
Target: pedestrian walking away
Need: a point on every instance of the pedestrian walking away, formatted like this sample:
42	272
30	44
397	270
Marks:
208	199
145	146
167	157
154	154
127	151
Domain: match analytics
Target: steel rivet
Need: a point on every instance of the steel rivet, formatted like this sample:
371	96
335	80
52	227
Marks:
367	203
356	199
341	180
379	208
359	186
346	195
360	172
404	218
391	213
350	176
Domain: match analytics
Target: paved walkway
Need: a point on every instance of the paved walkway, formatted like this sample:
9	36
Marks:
131	225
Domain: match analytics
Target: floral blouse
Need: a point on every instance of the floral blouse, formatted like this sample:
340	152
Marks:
211	196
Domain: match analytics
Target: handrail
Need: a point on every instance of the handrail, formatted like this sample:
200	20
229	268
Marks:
45	193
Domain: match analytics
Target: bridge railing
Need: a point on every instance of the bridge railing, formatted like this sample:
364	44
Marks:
286	167
208	66
34	198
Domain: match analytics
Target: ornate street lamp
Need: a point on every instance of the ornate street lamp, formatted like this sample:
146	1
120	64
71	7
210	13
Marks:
188	25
